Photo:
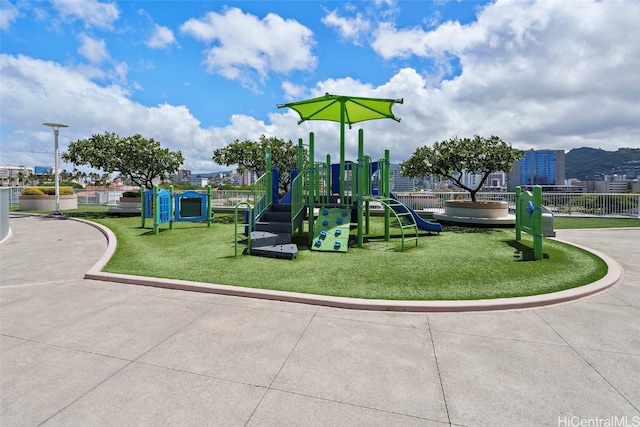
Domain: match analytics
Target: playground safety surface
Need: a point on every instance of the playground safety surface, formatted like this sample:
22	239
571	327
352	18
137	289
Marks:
93	352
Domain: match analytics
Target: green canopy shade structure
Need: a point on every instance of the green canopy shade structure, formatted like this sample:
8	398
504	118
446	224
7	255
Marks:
345	110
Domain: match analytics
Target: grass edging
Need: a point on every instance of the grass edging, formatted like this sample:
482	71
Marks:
613	276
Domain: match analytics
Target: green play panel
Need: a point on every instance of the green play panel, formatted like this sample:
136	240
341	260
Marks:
331	233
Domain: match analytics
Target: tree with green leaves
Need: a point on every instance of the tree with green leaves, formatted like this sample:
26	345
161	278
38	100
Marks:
140	159
250	156
451	158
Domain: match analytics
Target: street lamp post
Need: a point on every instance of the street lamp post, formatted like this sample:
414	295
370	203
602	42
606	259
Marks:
56	127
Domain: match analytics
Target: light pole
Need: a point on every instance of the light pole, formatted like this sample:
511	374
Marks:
56	127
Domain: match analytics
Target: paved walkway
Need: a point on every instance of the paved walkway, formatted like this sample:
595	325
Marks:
85	352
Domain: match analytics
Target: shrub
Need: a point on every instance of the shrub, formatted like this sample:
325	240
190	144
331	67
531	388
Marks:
46	191
32	191
134	194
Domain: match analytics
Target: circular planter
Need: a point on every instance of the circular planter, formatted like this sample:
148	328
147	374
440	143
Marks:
465	212
476	209
130	202
48	203
127	206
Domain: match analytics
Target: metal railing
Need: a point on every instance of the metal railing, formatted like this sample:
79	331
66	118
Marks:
624	205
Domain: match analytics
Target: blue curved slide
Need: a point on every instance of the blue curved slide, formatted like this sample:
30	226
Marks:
420	222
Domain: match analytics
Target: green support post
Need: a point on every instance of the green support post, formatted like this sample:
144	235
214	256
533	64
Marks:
300	158
386	179
209	216
519	215
360	187
312	186
142	205
171	208
342	144
156	210
268	169
367	213
328	178
537	222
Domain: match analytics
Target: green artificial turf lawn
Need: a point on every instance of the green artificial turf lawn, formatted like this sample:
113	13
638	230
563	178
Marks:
460	263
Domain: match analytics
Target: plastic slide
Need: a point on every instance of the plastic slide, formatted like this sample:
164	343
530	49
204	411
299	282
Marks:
420	222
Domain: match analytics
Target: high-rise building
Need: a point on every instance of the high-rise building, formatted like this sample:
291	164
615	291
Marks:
538	167
399	182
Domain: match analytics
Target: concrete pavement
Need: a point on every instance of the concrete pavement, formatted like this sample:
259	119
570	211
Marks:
89	352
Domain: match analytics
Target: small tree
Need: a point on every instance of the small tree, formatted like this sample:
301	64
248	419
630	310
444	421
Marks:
250	156
134	157
450	158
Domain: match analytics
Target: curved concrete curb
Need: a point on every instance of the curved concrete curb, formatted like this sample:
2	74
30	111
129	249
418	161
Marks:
8	238
614	276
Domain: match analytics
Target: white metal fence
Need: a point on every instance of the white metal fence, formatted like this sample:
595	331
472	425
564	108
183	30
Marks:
581	204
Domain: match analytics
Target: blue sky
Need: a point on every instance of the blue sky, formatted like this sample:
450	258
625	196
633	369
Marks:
195	75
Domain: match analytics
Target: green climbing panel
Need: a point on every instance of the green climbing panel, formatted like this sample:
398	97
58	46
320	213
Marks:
331	233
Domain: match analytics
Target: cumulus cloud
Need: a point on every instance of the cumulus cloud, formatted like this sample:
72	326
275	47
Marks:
93	50
8	14
245	47
36	91
349	28
161	38
92	12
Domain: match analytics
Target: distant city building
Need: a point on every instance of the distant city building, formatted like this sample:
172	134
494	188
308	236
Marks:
183	175
15	175
615	177
399	182
248	178
43	170
538	167
612	186
199	181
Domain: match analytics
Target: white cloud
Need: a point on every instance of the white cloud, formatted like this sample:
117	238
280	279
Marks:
246	48
8	14
93	50
161	38
92	12
349	28
36	91
292	90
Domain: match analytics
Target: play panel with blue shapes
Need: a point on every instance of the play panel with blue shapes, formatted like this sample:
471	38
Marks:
331	233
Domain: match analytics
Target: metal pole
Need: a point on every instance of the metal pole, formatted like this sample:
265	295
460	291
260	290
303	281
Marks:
56	172
56	127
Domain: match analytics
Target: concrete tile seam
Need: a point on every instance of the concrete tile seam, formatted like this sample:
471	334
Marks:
175	332
284	362
272	310
355	405
435	357
200	374
497	338
83	394
371	322
575	349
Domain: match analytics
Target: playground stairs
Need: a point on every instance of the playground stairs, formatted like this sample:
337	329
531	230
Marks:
272	234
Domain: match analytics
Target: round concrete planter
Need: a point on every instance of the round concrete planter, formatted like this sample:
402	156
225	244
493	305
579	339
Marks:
127	206
476	209
48	203
130	202
488	213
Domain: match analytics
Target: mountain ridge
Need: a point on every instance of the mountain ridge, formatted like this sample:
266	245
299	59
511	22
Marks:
592	164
